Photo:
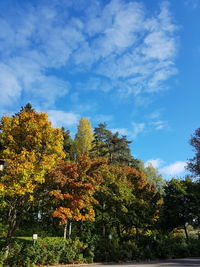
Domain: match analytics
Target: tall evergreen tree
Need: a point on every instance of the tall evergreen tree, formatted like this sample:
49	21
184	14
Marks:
111	145
67	144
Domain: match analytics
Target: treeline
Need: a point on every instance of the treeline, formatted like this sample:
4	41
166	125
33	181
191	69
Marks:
90	190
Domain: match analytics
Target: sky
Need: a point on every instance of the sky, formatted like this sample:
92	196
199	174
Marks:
134	65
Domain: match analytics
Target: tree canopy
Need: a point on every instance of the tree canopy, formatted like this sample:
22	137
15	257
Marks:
83	138
194	163
31	147
92	181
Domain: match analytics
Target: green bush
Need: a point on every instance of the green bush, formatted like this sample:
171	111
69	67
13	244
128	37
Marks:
47	251
114	250
194	247
55	250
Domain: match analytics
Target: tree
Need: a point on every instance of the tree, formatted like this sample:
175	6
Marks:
101	134
72	188
67	144
31	147
194	163
143	212
112	146
153	176
83	138
113	197
27	108
181	204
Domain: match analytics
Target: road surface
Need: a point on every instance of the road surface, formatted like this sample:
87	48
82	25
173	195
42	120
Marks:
188	262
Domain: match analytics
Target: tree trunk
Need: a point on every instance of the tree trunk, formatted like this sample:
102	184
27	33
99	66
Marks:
70	228
118	230
12	222
65	229
137	232
103	230
186	233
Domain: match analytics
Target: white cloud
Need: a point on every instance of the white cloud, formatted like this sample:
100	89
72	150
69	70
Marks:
156	163
96	83
9	85
121	131
159	125
137	129
131	51
154	115
60	118
159	46
173	169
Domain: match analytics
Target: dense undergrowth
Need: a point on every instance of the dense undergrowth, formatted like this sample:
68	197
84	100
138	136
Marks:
54	250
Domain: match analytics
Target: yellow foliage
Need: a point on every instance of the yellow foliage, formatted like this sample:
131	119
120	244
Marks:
31	148
84	137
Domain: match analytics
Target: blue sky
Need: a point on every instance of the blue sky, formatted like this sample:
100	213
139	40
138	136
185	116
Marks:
132	64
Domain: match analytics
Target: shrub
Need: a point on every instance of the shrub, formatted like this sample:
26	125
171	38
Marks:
47	250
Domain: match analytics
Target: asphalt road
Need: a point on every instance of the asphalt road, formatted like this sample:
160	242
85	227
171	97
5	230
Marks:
188	262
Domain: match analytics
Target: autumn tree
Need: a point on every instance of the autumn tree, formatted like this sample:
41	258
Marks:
83	137
31	147
143	211
72	188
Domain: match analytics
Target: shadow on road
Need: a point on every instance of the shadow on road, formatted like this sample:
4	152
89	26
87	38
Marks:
188	262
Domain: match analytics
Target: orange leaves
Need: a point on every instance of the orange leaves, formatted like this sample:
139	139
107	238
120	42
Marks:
77	183
62	213
135	177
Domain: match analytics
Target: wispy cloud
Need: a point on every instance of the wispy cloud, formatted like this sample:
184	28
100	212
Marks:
60	118
154	115
159	125
175	168
137	128
117	46
192	3
121	131
156	163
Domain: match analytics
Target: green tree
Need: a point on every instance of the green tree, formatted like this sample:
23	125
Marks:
113	197
154	177
143	211
67	144
112	146
180	205
194	163
31	147
101	134
83	138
